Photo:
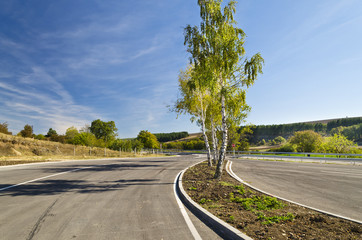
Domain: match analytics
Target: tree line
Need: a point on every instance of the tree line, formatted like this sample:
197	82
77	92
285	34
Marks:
167	137
98	134
349	127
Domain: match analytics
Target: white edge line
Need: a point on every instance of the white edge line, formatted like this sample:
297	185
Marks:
189	223
228	169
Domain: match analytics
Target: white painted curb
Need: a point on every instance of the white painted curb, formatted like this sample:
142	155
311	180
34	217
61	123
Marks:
219	226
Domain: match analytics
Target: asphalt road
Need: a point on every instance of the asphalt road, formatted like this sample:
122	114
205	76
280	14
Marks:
330	187
103	199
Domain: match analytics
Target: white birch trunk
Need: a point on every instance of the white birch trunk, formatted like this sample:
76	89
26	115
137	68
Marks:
206	142
203	129
220	163
214	142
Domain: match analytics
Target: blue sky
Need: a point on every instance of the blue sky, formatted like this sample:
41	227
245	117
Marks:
67	63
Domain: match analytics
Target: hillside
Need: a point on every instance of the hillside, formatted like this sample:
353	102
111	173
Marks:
192	136
326	121
19	150
324	127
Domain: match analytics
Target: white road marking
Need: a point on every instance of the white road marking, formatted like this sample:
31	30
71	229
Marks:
189	223
49	176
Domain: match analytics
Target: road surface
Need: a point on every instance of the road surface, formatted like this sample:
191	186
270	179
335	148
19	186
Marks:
99	199
330	187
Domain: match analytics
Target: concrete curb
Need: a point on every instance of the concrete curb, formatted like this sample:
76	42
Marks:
232	174
223	229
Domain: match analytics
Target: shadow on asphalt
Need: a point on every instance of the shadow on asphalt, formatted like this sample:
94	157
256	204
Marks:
54	187
98	168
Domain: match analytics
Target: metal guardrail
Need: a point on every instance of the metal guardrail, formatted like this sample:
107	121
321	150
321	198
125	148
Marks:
353	158
304	156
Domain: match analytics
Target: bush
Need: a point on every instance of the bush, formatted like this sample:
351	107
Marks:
307	141
27	132
39	137
286	148
4	128
148	139
338	144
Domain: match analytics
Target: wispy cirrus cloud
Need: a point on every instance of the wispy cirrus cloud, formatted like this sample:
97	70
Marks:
38	96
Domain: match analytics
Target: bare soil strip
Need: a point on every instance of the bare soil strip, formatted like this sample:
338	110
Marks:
260	216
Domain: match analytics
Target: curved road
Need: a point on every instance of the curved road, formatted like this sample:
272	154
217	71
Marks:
330	187
98	199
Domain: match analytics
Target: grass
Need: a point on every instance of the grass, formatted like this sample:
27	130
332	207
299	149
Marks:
274	219
19	150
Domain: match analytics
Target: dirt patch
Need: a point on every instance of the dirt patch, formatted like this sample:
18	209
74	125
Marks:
260	216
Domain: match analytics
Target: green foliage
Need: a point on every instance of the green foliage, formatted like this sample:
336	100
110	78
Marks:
58	138
288	147
40	137
148	139
338	144
274	219
4	128
269	132
126	145
204	200
104	130
307	141
86	139
70	133
166	137
186	145
51	132
279	140
27	131
345	122
256	202
353	133
226	184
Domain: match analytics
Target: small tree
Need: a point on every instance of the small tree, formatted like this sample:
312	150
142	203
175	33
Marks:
27	131
4	128
338	144
307	141
51	133
104	130
70	133
85	139
279	140
148	139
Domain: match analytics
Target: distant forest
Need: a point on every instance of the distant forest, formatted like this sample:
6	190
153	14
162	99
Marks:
350	127
166	137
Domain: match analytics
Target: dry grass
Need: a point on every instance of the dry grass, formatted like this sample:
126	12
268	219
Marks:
15	150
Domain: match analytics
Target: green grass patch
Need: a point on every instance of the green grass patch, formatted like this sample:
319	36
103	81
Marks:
257	202
274	219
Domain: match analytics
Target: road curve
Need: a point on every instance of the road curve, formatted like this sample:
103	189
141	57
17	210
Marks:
329	187
98	199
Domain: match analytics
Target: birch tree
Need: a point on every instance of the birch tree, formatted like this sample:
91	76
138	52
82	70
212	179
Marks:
217	46
194	100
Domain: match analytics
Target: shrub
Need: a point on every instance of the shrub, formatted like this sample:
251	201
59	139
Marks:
338	144
4	128
27	131
307	141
